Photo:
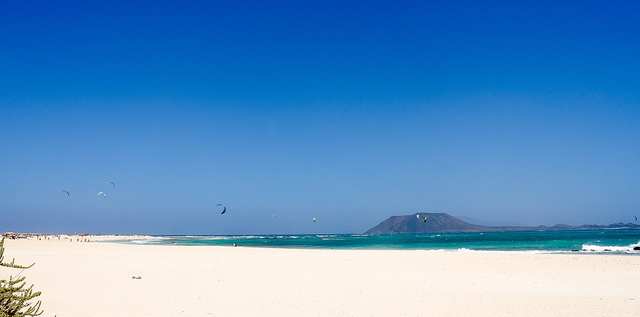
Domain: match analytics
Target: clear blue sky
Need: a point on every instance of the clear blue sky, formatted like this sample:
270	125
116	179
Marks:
348	111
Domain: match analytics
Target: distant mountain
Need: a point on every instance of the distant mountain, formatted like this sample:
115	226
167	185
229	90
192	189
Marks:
435	222
441	222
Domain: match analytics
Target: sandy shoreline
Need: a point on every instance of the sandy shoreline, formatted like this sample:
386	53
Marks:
95	279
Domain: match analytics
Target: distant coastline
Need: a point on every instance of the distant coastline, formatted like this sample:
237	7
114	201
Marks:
442	222
81	237
415	223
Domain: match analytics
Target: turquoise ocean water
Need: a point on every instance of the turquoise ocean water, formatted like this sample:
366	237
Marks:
588	241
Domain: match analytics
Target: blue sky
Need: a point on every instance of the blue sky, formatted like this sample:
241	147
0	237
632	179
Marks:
348	111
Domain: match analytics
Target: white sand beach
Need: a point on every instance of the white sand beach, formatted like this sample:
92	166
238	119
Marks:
95	279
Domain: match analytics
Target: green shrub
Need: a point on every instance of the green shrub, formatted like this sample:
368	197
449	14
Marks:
14	296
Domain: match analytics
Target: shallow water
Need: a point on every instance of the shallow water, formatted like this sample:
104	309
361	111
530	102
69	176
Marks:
596	241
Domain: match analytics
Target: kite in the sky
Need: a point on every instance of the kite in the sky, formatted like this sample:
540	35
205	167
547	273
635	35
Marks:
314	219
112	183
418	216
64	191
103	194
225	208
425	219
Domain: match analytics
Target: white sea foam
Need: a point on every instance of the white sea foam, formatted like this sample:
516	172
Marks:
217	238
613	249
149	240
250	237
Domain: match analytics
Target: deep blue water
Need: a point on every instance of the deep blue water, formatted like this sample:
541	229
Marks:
600	241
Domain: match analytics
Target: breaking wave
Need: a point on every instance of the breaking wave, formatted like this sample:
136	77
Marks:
632	248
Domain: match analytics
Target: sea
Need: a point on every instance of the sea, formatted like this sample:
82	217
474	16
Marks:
586	241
